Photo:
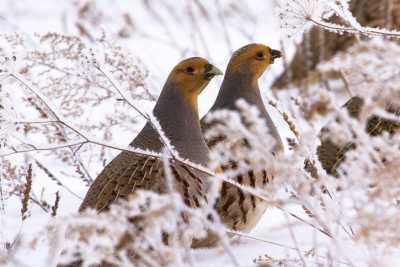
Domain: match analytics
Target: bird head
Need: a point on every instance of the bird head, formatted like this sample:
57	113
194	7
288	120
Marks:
192	75
252	60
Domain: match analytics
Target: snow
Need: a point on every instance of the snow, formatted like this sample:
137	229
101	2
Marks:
161	40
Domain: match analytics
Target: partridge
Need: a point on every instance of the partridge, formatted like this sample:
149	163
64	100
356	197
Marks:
239	210
331	154
177	113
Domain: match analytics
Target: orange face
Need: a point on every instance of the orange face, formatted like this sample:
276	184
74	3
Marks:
253	60
192	75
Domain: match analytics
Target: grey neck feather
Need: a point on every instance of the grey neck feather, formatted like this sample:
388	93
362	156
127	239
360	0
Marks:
180	123
234	88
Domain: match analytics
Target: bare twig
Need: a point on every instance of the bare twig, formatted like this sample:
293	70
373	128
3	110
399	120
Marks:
54	208
55	179
294	240
26	193
368	31
248	236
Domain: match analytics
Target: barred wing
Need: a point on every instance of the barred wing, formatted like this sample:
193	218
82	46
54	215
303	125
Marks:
129	172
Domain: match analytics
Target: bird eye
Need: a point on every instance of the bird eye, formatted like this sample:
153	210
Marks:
190	70
260	56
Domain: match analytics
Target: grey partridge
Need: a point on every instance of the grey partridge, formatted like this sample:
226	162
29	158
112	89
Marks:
237	209
177	113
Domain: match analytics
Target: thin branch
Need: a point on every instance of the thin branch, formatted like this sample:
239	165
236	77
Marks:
238	233
248	236
37	94
55	179
36	122
296	244
45	102
325	232
42	149
148	117
368	31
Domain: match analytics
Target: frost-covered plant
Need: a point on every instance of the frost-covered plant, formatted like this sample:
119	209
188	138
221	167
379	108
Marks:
100	70
370	166
7	117
62	68
240	134
356	207
363	192
146	229
248	142
296	15
363	139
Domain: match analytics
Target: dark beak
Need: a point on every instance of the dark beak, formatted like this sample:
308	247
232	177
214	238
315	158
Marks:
212	71
275	54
